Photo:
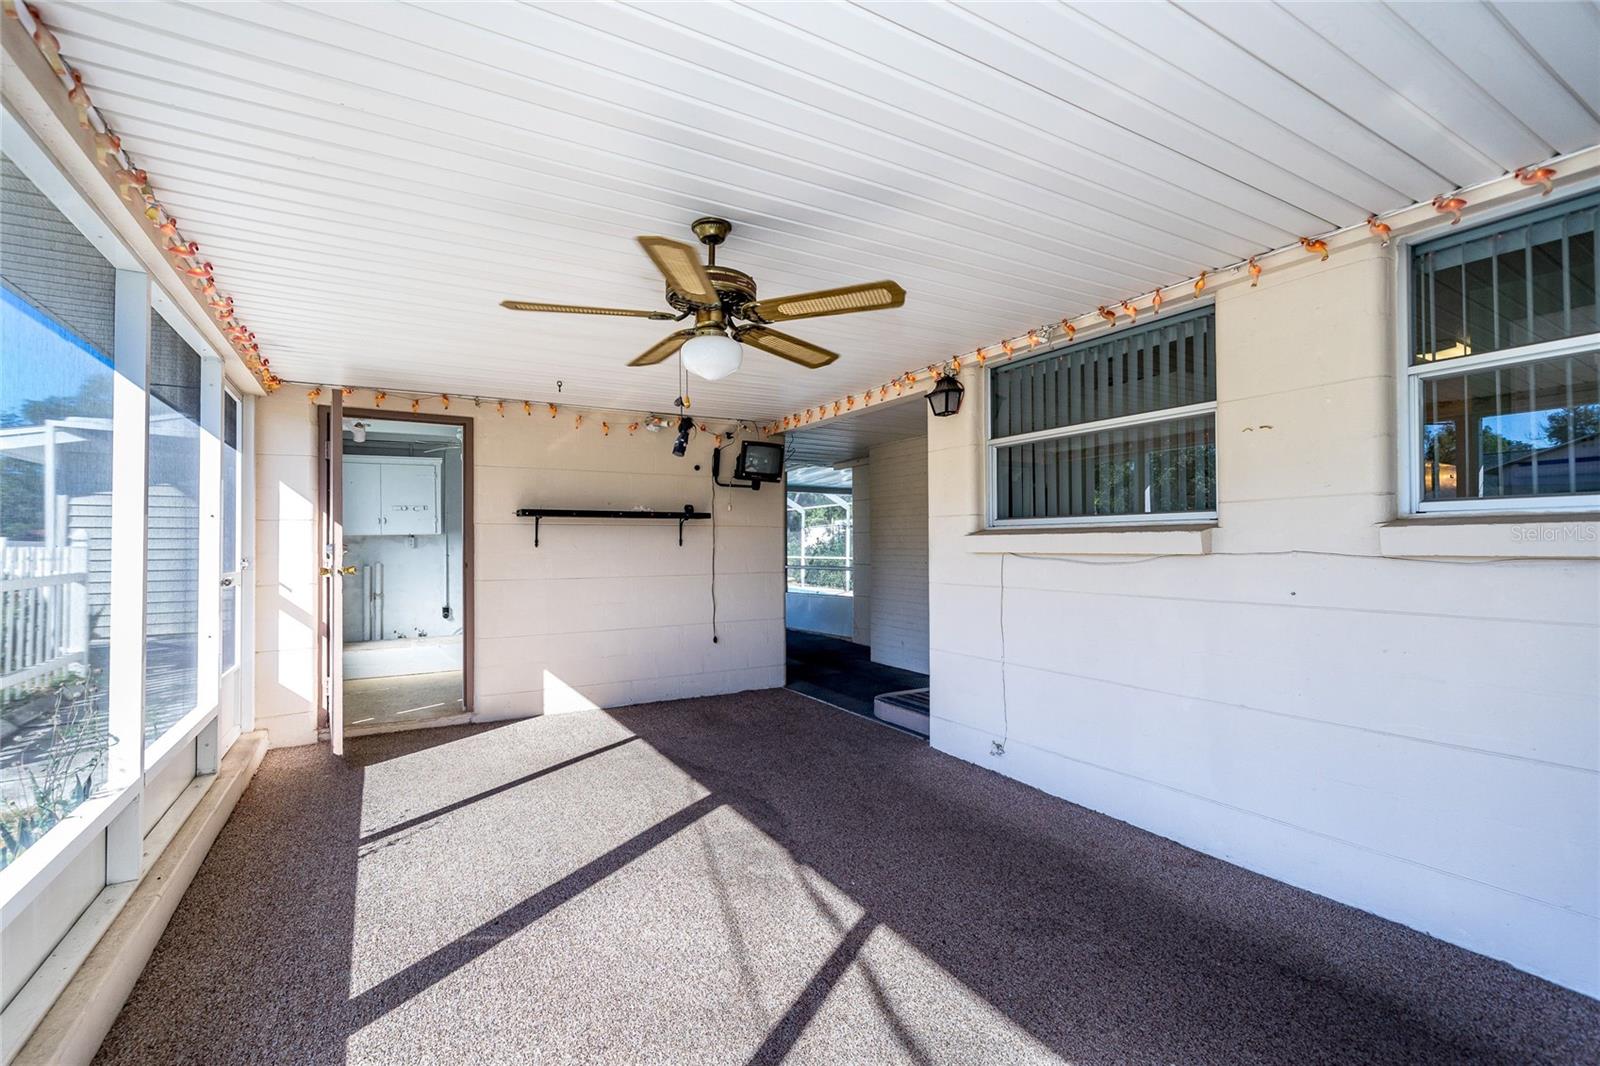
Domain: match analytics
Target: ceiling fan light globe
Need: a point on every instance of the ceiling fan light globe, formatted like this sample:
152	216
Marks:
712	356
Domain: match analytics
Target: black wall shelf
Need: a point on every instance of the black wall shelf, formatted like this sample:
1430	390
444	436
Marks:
538	514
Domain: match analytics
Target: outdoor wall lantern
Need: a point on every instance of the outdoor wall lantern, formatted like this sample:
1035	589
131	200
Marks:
945	399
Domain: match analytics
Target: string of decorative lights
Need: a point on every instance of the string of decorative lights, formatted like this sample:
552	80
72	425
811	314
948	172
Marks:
606	418
1106	318
133	185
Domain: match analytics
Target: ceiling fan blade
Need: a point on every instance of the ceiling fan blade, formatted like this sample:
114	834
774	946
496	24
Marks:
662	349
574	309
680	264
845	300
784	346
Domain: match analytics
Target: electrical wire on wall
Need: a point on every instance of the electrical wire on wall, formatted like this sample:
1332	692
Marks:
1005	704
734	437
714	637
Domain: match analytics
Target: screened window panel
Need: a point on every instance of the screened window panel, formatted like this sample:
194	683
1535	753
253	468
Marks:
45	258
230	484
820	541
230	532
1528	280
228	654
1530	429
1170	363
1155	468
57	301
172	597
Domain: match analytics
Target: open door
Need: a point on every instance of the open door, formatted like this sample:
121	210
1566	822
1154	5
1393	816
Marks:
331	535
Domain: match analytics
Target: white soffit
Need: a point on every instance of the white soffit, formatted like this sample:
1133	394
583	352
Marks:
372	179
834	440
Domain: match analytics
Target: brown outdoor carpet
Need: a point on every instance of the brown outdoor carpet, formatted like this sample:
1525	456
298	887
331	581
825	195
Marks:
758	878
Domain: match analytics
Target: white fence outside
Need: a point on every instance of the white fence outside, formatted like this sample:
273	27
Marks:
44	612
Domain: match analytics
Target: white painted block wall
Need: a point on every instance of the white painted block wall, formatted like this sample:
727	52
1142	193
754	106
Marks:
898	500
1418	737
601	614
285	569
861	546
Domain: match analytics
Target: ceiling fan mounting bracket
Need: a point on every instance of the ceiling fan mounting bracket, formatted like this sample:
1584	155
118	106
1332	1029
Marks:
712	231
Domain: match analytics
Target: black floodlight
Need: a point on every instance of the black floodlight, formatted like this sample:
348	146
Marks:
759	461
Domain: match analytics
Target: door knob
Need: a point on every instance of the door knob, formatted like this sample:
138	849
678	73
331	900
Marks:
324	571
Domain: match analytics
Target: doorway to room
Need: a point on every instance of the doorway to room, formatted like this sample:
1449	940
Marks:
404	534
856	596
397	601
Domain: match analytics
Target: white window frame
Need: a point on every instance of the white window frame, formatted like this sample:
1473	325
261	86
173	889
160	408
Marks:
208	601
1410	379
234	578
116	818
992	446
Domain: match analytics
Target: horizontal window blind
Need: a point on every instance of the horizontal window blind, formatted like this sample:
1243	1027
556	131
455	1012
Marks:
1528	280
1170	363
1156	468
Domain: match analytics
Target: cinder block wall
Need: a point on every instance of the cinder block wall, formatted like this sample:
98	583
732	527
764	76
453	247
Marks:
861	544
1414	736
601	614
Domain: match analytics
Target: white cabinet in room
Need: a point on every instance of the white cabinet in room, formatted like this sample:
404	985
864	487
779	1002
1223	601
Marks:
363	506
392	495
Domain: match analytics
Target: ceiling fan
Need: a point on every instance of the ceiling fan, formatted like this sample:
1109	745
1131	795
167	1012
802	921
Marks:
718	296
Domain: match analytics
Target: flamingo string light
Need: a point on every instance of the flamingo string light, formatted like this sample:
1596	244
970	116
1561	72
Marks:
1450	205
1317	246
1542	176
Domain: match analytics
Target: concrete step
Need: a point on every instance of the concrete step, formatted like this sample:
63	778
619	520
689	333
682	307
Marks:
908	709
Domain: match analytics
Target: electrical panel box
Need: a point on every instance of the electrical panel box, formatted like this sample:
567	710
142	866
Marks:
392	495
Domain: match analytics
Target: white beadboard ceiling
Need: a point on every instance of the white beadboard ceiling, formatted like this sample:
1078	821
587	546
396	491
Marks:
371	179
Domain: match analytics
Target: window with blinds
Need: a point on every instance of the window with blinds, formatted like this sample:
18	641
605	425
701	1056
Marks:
1504	361
1523	281
1122	426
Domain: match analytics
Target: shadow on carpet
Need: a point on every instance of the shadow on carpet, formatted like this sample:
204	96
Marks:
756	878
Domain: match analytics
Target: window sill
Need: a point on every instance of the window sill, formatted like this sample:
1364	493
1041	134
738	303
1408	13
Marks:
66	1008
1093	540
1501	536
